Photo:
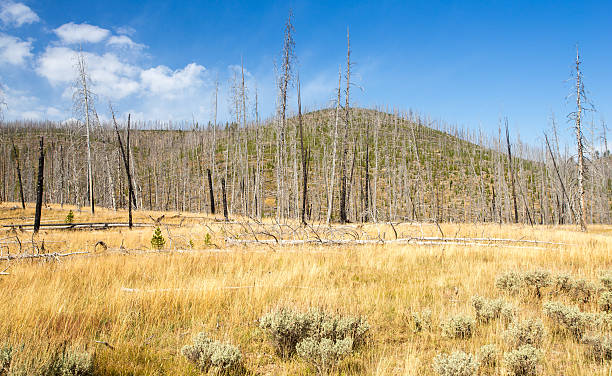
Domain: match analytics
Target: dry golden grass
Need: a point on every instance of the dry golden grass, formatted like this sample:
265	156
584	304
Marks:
82	299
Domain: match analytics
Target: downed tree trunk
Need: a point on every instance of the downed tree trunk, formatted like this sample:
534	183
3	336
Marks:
54	255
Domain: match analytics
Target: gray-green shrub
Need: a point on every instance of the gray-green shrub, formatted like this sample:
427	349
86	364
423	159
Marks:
286	328
522	361
569	318
460	326
487	356
511	282
525	332
598	347
487	310
583	291
6	358
456	364
605	301
324	353
207	354
421	320
606	280
537	280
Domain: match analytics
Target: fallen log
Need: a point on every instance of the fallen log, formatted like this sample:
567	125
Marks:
54	255
412	240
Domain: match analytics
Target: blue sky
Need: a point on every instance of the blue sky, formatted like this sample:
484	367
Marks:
463	62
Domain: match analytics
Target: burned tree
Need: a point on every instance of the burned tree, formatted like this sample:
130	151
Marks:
577	117
39	186
511	170
84	106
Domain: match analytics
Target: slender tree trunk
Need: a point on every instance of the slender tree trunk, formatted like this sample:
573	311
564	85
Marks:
511	167
330	194
579	96
304	161
212	193
18	168
225	215
343	216
39	187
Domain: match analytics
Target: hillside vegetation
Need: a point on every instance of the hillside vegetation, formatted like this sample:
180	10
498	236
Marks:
398	167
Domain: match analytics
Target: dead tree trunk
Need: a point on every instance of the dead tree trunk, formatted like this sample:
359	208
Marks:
39	187
343	217
125	155
578	118
212	193
18	168
511	174
225	215
304	161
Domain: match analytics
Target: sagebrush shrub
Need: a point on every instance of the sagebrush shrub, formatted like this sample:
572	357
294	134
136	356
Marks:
324	353
65	362
583	290
606	280
598	347
525	332
455	364
487	356
522	361
287	328
563	283
6	358
421	320
460	326
487	310
511	282
569	318
207	354
605	301
537	280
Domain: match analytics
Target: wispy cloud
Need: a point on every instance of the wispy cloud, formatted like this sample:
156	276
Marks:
17	14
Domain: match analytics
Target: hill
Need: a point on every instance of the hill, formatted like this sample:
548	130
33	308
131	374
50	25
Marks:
399	167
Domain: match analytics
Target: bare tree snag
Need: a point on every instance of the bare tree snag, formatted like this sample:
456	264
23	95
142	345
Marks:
211	192
225	215
39	186
578	119
343	217
511	168
18	168
304	161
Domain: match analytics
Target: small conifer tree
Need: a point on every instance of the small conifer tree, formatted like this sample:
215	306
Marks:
69	218
157	241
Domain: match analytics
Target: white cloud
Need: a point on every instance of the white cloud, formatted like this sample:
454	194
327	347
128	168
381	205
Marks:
111	77
123	41
164	81
17	14
81	33
14	50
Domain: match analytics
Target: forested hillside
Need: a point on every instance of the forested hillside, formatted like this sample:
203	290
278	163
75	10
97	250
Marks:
399	167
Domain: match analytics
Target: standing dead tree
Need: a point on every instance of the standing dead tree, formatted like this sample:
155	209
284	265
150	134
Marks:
577	117
125	155
15	153
83	104
304	159
285	80
330	193
211	192
343	216
511	168
39	186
